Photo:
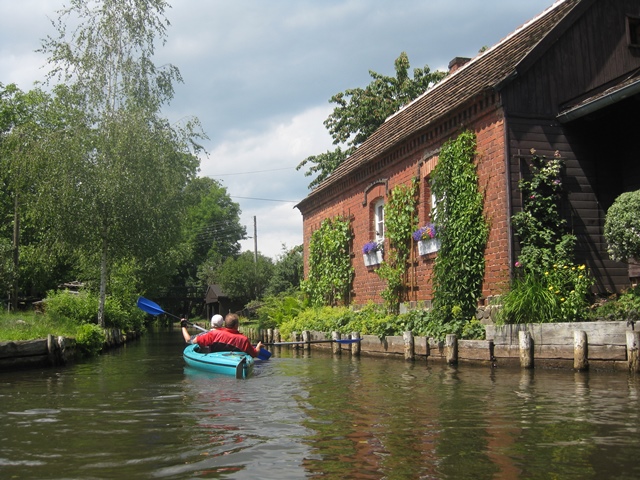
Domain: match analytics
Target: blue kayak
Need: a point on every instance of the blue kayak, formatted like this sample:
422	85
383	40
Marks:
238	364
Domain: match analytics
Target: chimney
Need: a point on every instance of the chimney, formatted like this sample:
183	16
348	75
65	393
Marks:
456	63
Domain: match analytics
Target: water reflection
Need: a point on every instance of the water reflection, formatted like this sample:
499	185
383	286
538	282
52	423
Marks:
140	413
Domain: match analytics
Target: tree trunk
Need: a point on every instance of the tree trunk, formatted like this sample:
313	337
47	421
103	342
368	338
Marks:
103	282
16	254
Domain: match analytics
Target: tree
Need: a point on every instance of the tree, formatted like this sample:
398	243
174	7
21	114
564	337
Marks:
243	279
361	111
287	271
27	120
120	189
212	230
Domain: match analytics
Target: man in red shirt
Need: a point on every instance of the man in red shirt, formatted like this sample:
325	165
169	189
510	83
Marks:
223	339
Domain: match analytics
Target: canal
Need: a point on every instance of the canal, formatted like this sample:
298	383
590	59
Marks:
138	412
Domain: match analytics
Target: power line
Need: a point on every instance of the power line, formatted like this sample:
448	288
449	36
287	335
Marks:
248	173
265	199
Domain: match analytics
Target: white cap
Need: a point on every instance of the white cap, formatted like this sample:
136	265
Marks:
217	321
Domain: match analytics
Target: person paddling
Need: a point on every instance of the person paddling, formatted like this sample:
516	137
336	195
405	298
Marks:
226	338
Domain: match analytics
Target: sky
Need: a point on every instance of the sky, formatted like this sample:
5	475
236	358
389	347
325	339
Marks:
259	74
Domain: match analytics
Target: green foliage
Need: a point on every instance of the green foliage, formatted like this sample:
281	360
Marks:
400	222
371	320
361	111
539	227
81	307
211	231
117	184
463	231
278	309
528	301
287	271
242	279
89	339
625	306
622	227
16	326
548	286
330	271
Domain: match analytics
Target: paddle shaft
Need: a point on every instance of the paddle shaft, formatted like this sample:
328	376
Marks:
345	341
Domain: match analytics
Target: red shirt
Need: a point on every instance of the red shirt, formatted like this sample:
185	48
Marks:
225	339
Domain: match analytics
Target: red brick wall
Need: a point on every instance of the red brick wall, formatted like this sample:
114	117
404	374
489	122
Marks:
417	159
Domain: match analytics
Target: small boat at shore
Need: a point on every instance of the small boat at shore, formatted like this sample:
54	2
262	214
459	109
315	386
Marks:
238	364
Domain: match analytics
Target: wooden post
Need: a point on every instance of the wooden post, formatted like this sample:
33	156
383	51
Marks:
409	346
526	349
335	346
295	337
276	336
580	351
306	337
355	346
269	335
451	348
633	343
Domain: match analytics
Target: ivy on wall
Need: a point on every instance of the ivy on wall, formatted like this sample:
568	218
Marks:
463	231
400	222
330	270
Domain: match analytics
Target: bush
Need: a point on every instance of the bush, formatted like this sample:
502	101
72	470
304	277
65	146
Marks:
625	306
80	307
89	340
622	227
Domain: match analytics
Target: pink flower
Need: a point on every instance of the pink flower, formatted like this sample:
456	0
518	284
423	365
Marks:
517	264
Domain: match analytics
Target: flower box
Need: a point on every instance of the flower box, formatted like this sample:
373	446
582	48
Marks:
426	247
372	258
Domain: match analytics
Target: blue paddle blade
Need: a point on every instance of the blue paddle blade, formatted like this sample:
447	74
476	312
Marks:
149	306
264	354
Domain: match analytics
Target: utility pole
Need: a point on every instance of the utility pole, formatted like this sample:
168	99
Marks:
255	256
255	241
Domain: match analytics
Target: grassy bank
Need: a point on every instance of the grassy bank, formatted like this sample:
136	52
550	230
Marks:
30	326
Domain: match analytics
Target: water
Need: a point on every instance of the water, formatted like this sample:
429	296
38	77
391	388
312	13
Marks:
138	412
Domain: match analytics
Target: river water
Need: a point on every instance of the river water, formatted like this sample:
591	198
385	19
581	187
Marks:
138	412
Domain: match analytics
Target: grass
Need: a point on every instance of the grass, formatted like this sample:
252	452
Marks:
31	325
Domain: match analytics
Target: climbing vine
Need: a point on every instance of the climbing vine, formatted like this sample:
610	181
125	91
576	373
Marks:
463	231
330	270
400	222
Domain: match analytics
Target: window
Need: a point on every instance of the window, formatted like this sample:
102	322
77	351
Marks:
633	31
378	219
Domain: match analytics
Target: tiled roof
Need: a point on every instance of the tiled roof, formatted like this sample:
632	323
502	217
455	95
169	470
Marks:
488	70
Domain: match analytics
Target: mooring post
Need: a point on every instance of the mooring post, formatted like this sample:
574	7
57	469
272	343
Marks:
355	346
295	337
633	343
409	346
451	348
526	349
335	346
306	338
269	335
580	351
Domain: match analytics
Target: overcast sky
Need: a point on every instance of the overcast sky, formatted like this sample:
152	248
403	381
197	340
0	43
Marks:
259	74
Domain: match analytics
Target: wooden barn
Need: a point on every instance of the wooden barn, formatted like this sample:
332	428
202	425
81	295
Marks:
566	81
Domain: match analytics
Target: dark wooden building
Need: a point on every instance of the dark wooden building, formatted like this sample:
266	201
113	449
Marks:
567	81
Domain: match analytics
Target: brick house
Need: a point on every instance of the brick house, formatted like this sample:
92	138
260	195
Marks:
567	81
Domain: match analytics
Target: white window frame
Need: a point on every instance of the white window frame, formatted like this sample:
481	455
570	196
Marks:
378	219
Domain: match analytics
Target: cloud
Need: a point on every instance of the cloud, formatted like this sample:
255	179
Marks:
259	74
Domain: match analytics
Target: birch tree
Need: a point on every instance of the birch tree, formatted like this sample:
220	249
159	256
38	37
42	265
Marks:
119	195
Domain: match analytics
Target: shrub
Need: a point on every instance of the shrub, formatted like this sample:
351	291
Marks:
89	339
80	307
622	227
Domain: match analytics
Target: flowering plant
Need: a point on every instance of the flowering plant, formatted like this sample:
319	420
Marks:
371	247
425	233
